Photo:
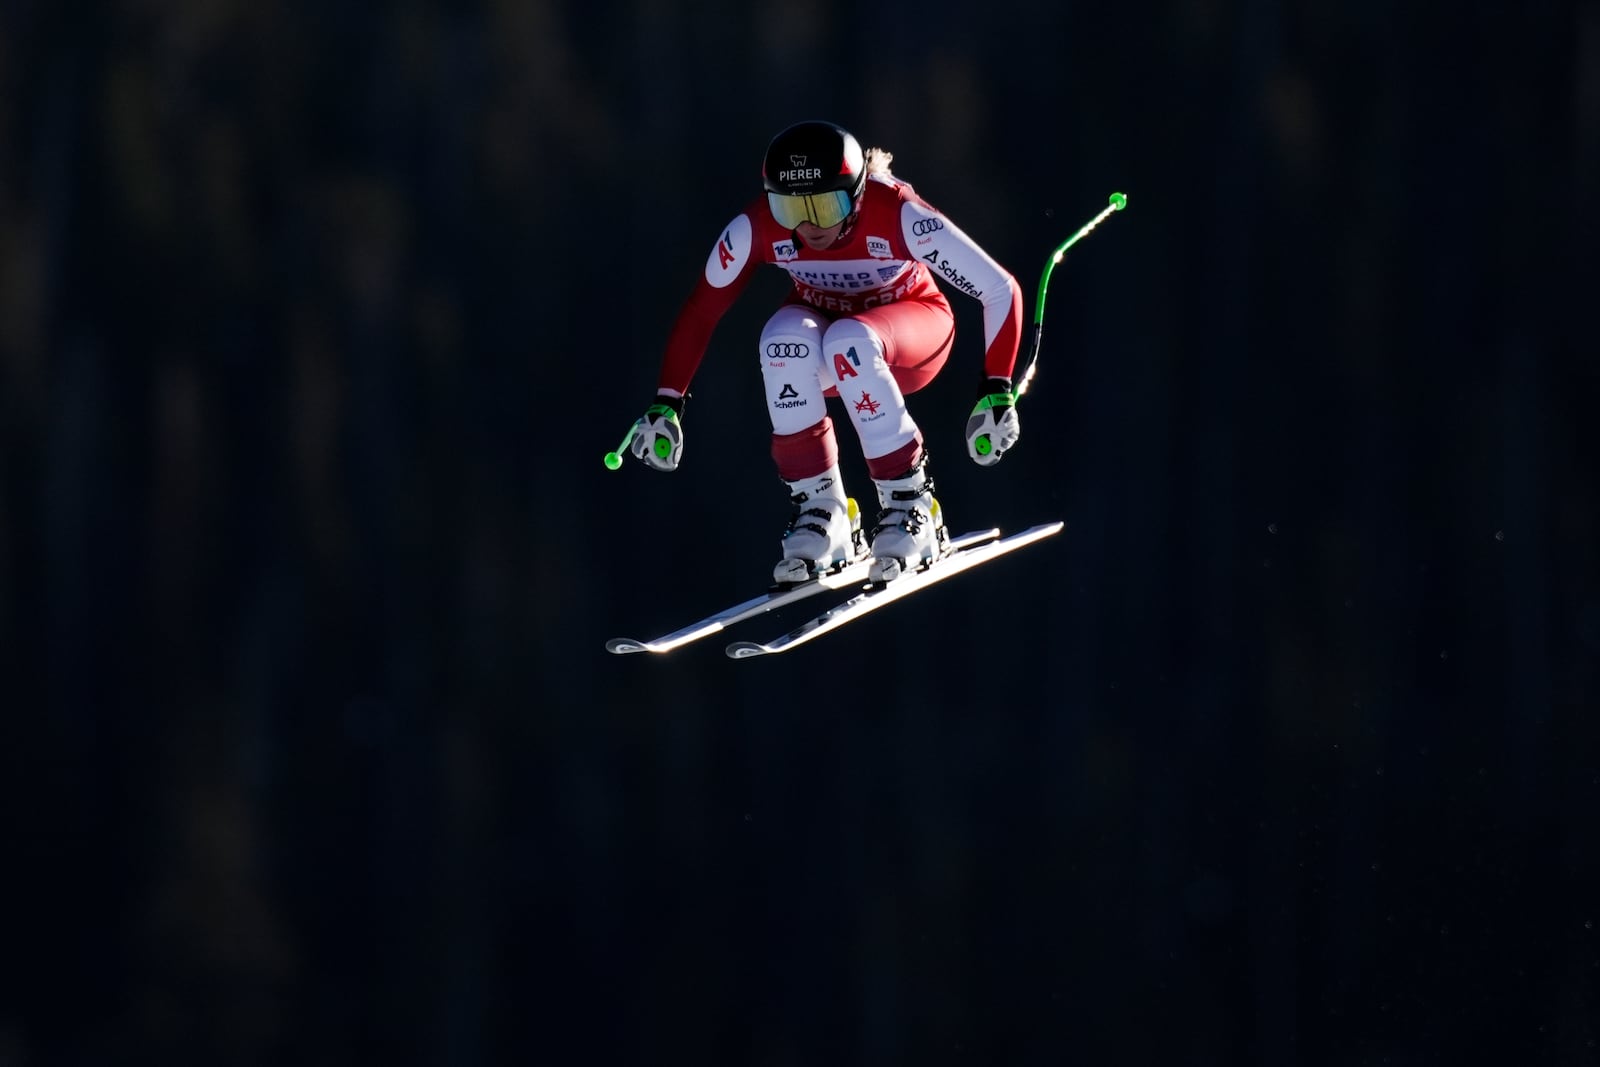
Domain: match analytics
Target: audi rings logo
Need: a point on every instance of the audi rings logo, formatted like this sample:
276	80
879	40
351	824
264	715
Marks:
923	227
777	350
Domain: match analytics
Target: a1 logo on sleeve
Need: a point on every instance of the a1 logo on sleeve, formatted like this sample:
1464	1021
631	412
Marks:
730	255
878	248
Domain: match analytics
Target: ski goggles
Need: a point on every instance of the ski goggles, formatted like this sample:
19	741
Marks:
820	209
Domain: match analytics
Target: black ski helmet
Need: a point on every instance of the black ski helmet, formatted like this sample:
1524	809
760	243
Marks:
814	157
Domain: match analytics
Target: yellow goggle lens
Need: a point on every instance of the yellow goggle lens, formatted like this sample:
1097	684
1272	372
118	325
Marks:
820	209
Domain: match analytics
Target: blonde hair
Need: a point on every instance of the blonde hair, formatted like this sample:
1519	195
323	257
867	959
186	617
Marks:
878	160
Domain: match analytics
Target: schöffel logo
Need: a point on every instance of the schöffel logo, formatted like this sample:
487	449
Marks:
923	227
781	350
952	275
788	398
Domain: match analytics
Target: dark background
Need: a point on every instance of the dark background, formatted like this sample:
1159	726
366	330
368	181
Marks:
316	320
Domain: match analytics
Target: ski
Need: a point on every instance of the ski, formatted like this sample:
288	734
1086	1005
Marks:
852	574
961	559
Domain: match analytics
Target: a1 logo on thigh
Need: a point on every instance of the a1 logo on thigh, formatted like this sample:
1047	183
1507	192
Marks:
845	363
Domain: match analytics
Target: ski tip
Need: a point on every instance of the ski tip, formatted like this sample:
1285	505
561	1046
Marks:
622	646
746	649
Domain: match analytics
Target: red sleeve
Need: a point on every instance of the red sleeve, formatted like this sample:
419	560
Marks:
727	271
1000	358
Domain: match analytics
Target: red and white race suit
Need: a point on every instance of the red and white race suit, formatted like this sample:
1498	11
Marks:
864	320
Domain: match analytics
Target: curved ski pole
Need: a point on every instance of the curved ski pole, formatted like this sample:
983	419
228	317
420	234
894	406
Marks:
1118	202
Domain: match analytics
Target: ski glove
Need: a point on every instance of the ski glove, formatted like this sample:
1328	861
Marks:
992	428
657	437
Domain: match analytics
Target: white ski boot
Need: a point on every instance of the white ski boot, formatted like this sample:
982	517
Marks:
909	533
824	531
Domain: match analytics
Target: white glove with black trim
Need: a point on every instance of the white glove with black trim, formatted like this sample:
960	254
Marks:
657	436
993	428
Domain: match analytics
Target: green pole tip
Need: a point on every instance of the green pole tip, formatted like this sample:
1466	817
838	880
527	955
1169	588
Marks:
613	461
1119	201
